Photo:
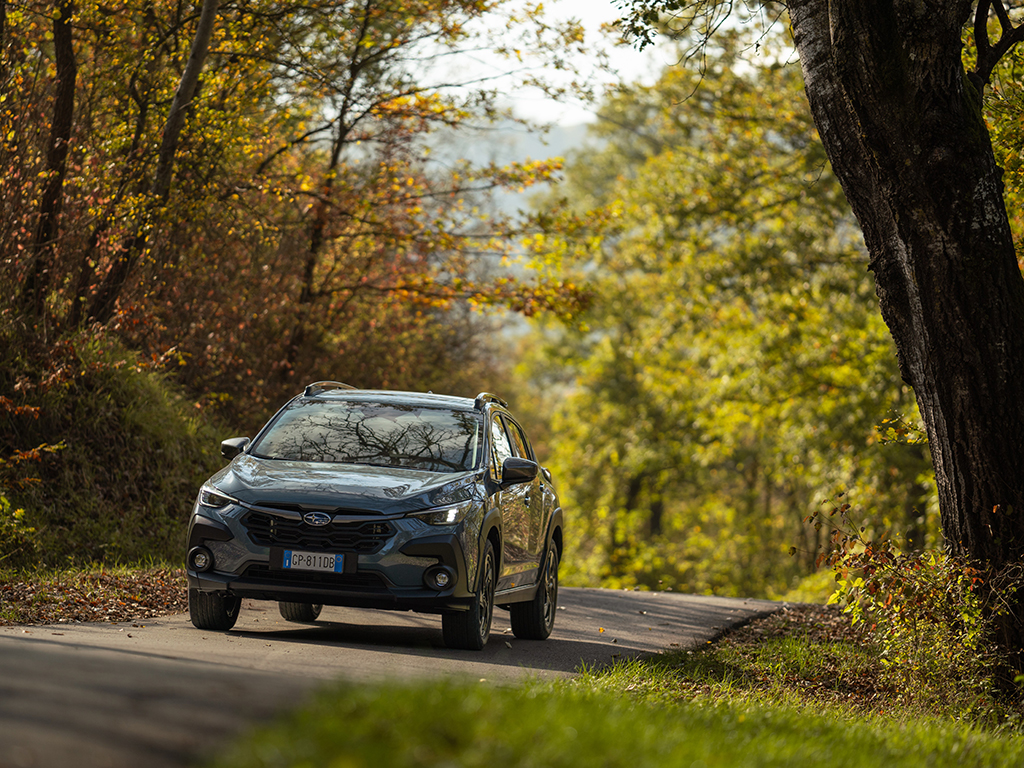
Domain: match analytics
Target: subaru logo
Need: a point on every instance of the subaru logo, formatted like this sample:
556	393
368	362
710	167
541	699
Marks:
319	519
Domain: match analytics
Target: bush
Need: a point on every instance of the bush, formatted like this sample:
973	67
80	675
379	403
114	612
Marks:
931	613
133	455
17	543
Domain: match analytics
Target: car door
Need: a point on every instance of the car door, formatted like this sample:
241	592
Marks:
534	497
514	503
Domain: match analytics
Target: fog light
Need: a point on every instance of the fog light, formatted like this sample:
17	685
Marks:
200	559
439	577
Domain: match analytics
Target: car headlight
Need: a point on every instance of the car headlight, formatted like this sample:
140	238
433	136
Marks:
211	497
448	515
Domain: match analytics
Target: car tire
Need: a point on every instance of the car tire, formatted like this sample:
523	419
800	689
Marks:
300	612
209	610
469	630
534	620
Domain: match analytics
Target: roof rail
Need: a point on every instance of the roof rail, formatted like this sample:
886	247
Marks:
312	390
486	397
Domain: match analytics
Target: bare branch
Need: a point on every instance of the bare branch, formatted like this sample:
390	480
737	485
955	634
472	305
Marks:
988	54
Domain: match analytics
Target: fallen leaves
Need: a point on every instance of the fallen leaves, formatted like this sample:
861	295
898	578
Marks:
112	596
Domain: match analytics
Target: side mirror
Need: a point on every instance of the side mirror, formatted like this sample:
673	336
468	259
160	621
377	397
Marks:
233	446
515	470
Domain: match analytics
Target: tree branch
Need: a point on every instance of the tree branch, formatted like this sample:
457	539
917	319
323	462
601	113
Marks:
988	54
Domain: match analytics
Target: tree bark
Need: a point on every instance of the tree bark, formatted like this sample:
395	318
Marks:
902	125
33	297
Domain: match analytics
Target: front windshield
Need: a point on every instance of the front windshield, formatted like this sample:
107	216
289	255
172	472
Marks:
378	434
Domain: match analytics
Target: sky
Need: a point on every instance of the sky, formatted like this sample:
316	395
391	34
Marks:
631	64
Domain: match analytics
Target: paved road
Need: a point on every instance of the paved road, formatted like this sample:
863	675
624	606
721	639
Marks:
162	694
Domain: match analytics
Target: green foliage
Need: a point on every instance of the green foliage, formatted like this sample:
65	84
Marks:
732	366
931	613
18	540
16	537
1004	111
899	430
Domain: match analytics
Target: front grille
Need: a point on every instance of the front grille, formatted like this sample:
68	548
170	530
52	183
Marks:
364	580
362	538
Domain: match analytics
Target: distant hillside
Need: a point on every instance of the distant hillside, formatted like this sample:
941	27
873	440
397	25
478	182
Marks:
507	143
559	142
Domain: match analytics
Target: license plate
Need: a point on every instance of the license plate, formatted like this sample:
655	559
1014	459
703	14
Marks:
313	561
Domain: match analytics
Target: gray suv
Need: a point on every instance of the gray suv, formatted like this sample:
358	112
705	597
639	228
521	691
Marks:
379	499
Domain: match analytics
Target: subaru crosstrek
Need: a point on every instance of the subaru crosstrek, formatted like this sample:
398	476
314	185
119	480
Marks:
381	499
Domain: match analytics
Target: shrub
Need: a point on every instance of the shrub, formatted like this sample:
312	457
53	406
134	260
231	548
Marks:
133	453
931	613
17	544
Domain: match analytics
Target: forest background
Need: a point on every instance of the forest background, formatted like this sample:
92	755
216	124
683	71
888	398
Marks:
683	315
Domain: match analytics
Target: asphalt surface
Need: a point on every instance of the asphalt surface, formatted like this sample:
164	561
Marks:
162	693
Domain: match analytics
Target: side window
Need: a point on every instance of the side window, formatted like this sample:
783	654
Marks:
519	441
501	449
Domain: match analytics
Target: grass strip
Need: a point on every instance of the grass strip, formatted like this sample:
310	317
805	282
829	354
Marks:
573	723
799	688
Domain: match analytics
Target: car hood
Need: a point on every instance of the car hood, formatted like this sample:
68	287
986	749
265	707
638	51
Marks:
358	489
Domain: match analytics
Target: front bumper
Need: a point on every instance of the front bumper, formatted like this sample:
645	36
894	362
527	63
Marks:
391	578
361	591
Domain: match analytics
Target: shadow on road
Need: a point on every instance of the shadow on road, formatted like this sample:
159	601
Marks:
593	628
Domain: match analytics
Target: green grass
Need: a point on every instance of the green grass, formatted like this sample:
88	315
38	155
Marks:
583	724
773	695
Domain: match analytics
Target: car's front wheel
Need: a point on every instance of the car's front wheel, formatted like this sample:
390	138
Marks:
209	610
469	630
534	620
300	612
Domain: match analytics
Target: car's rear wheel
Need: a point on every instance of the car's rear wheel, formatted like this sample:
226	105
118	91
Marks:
469	630
300	612
534	620
209	610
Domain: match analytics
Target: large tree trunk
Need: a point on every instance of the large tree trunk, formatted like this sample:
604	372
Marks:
903	129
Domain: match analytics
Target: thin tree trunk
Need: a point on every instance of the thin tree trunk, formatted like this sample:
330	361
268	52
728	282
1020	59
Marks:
88	258
3	41
110	289
903	129
656	520
37	281
317	237
322	209
183	100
